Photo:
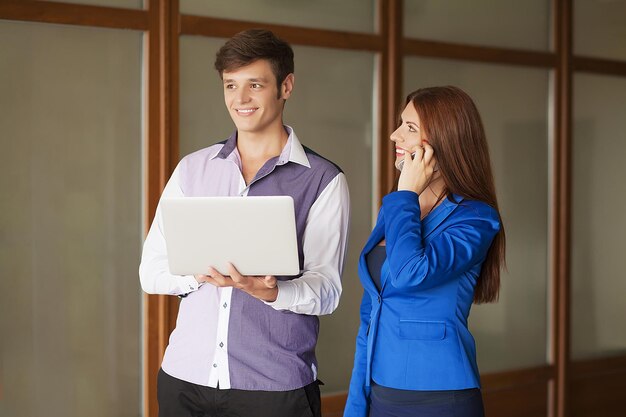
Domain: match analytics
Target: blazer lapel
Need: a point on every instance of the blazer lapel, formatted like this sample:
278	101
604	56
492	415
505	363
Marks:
432	221
375	237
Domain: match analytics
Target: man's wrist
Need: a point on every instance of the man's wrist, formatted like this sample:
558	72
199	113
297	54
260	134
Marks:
269	295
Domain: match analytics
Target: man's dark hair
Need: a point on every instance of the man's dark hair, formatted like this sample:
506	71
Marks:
251	45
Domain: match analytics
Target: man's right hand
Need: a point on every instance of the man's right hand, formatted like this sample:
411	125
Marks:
201	278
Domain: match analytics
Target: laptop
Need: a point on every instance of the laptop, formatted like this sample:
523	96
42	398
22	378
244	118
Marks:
256	234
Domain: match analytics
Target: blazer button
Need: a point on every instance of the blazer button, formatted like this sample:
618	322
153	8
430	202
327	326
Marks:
379	299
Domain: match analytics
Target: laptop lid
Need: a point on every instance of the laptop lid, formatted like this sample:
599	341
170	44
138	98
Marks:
256	234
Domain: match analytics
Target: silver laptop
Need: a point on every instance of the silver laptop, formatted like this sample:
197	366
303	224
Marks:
256	234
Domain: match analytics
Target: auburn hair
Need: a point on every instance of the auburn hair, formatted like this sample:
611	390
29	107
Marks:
453	127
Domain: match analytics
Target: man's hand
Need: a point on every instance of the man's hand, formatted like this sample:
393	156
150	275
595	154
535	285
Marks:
262	287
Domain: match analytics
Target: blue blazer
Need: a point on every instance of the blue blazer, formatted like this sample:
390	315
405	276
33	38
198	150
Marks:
413	333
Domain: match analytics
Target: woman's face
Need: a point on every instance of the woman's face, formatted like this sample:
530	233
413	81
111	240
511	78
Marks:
408	136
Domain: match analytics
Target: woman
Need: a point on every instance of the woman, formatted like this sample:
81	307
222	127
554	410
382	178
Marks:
437	246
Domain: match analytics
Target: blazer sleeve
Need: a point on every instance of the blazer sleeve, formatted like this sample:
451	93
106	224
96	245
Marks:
455	250
357	404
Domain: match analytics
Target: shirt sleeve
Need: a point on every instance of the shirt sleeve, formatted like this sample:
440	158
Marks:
325	240
154	271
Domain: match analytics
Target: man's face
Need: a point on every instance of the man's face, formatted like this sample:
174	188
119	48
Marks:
252	97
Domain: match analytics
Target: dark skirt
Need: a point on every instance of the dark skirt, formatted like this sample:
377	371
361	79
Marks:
390	402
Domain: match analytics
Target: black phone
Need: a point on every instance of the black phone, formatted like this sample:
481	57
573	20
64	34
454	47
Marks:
400	163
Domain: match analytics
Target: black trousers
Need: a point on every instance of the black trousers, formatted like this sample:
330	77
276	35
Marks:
179	398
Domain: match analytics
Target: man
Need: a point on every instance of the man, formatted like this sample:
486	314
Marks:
245	346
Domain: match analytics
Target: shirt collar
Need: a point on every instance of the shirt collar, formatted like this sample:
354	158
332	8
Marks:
292	152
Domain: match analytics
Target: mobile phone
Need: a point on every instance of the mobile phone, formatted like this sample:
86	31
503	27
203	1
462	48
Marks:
400	163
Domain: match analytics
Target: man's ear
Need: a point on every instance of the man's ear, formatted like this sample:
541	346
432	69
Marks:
287	86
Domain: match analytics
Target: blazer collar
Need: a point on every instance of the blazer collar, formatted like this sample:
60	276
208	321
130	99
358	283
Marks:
429	223
439	214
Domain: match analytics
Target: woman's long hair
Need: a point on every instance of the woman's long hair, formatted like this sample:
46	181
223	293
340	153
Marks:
452	125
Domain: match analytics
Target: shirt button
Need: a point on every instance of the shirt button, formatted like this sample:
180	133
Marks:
221	344
225	305
215	365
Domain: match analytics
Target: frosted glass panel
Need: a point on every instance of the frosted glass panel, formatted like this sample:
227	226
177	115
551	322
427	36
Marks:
332	114
204	119
126	4
344	15
600	28
598	221
513	103
70	221
501	23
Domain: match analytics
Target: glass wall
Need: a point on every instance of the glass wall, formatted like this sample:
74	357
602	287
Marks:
331	112
598	263
521	25
204	119
70	221
345	15
512	333
600	29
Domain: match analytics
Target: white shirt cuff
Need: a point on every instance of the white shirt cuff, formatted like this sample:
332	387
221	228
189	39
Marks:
188	284
287	293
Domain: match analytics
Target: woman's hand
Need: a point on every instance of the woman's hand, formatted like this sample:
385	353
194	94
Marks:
418	170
